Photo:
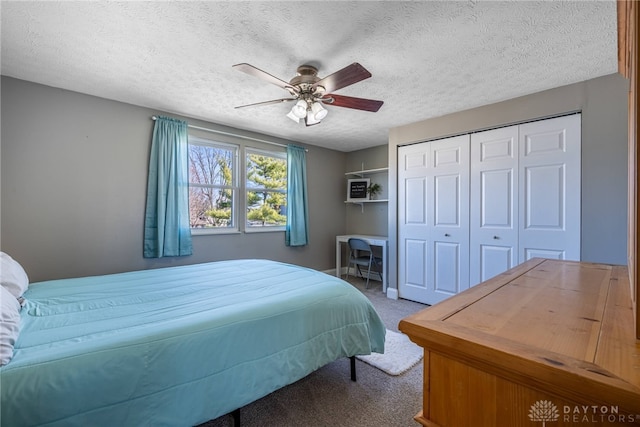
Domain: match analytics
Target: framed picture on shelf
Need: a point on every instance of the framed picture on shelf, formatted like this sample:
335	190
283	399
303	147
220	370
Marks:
357	190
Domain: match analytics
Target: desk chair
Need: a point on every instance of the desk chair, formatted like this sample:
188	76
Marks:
360	254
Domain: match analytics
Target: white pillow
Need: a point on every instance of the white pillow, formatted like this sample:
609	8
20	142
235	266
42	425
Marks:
9	324
12	275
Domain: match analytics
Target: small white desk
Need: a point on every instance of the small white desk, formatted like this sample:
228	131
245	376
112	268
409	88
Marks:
373	241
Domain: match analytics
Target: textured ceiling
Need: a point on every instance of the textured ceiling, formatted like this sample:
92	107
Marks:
427	58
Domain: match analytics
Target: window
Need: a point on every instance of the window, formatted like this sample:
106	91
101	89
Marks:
213	185
218	203
266	187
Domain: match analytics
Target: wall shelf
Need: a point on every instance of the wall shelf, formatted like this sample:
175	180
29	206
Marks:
363	202
364	172
361	174
359	202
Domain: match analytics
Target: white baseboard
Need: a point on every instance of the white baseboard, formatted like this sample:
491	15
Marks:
392	293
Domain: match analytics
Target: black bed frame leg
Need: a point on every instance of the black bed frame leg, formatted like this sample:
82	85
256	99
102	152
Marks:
236	417
353	368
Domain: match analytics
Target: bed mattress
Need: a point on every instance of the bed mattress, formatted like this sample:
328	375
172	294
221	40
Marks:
177	346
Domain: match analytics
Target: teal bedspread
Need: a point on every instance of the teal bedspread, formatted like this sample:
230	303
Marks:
177	346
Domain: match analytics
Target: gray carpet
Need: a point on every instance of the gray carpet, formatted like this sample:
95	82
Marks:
328	397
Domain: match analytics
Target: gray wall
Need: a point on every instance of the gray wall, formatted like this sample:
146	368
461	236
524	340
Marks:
73	177
73	187
603	103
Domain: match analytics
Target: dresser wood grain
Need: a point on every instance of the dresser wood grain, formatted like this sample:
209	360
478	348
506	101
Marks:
547	341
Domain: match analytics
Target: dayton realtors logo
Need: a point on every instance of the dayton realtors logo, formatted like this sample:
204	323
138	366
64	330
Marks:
545	411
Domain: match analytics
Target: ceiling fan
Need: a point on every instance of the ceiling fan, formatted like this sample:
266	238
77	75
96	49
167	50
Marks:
311	92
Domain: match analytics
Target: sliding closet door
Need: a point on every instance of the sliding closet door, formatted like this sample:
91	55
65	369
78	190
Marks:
494	203
433	219
550	189
413	225
450	210
474	206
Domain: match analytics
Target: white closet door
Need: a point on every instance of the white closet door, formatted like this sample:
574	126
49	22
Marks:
494	203
449	207
473	206
550	189
433	219
413	226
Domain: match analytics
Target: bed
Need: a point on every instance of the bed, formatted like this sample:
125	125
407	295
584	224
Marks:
177	346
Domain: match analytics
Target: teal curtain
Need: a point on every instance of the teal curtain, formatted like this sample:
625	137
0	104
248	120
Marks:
296	233
166	222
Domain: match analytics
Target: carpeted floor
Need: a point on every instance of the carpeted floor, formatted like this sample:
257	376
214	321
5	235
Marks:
328	398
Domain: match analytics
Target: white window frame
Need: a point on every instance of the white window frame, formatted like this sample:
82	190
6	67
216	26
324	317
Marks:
234	187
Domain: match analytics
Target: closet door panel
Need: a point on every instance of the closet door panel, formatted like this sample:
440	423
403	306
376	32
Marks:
493	258
494	203
414	265
496	198
544	198
415	206
448	269
544	253
550	189
447	201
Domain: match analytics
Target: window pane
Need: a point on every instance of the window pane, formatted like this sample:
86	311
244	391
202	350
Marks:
210	165
210	207
265	171
266	190
266	208
212	184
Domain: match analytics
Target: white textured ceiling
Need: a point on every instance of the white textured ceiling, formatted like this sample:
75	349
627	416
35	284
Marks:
427	58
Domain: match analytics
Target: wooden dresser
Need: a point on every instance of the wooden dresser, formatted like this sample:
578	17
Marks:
547	343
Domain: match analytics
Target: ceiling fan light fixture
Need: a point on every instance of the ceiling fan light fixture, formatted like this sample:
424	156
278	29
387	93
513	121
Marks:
293	116
311	120
300	109
319	112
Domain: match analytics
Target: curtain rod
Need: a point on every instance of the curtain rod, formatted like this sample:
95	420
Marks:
233	134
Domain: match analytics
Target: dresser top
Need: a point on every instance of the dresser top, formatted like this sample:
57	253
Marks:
556	321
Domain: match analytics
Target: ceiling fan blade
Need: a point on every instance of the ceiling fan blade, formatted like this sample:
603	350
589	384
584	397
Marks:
355	103
347	76
256	72
275	101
